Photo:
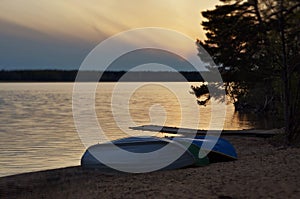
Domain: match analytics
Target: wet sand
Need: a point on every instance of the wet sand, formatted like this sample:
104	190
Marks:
262	171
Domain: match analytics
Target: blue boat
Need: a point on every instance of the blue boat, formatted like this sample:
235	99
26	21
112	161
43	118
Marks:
217	149
115	158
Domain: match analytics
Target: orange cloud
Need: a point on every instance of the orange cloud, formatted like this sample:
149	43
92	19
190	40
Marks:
89	20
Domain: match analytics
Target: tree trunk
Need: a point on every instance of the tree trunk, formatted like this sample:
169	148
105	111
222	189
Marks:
286	78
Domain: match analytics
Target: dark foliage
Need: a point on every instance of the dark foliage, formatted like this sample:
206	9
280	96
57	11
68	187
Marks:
256	43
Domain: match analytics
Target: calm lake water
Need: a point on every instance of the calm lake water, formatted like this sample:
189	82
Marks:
37	129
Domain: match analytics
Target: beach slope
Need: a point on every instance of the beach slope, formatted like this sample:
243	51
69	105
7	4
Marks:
261	171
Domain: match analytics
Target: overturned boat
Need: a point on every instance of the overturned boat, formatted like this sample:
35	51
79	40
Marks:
115	155
182	152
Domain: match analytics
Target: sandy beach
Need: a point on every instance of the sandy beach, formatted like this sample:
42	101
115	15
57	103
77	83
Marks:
262	171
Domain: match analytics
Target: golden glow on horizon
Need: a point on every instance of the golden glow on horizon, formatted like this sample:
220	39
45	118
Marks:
91	20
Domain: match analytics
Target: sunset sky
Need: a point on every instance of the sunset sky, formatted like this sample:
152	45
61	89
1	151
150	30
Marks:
58	34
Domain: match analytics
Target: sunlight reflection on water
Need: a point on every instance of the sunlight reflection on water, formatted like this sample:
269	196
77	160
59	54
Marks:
37	130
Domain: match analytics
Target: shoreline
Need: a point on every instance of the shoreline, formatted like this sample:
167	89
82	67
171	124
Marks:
262	170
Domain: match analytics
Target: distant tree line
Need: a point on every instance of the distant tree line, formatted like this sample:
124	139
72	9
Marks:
37	76
108	76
